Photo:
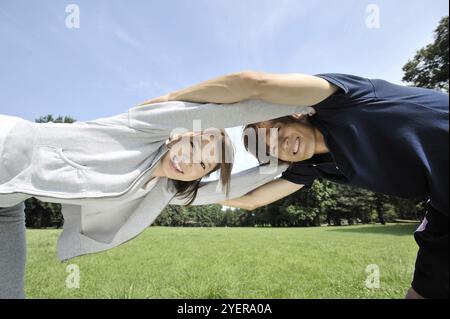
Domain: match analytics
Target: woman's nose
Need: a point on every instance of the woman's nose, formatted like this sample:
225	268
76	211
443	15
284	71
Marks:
186	159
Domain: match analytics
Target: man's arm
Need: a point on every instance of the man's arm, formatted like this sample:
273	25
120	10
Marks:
264	195
291	89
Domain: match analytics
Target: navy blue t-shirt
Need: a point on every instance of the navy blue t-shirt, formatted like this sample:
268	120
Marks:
384	137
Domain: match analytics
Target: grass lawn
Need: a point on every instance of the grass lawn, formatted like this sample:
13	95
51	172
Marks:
169	262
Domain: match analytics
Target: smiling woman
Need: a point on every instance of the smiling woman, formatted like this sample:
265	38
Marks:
193	156
96	169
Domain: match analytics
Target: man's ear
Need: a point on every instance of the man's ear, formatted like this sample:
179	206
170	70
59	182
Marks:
298	116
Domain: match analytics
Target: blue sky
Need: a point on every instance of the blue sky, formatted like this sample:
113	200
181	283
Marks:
128	51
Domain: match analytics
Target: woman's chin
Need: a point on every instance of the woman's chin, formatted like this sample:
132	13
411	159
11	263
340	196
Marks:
174	175
181	179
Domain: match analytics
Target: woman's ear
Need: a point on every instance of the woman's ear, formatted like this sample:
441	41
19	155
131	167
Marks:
175	138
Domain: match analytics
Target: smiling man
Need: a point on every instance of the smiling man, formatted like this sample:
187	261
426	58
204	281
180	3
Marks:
366	133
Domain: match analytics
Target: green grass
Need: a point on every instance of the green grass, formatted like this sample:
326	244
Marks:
166	262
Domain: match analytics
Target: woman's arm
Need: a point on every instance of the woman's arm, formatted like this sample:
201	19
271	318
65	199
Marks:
289	89
264	195
167	116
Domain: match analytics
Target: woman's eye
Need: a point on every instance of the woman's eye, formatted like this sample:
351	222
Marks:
193	150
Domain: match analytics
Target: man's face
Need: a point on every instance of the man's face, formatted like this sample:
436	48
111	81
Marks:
296	141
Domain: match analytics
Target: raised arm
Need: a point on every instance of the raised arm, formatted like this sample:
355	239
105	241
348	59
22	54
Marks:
249	190
264	195
242	183
289	89
166	116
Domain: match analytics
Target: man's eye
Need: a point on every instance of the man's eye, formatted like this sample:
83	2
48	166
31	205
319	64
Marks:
274	149
203	165
275	130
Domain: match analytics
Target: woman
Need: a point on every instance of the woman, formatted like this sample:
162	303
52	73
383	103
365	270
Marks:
112	175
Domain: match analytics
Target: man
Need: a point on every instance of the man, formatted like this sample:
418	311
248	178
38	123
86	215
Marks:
367	133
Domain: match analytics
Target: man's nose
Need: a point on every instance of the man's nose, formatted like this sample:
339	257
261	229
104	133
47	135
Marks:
284	143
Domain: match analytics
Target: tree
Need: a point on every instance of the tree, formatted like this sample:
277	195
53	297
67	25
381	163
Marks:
49	118
429	68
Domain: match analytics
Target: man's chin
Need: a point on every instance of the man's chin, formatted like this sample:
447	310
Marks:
303	157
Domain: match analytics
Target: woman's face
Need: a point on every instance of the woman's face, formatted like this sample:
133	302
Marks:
295	141
191	156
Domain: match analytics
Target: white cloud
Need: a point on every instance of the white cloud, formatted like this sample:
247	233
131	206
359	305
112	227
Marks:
125	37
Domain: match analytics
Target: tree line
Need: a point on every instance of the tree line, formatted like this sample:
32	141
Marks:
324	203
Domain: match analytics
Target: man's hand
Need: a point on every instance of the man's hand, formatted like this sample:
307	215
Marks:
264	195
164	98
230	88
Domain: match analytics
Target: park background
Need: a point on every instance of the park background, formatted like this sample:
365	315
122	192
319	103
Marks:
123	53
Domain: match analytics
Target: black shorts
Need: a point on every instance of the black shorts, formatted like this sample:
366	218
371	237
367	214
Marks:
431	270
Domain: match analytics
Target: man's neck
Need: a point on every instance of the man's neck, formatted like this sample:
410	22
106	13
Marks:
321	147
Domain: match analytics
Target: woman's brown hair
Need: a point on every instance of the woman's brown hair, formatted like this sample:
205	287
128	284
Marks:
188	189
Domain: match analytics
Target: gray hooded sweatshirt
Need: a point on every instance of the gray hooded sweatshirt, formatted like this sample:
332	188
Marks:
97	169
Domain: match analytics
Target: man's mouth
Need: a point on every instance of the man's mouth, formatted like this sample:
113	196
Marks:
296	145
174	162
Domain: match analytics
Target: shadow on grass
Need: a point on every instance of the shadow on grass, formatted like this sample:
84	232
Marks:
396	229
